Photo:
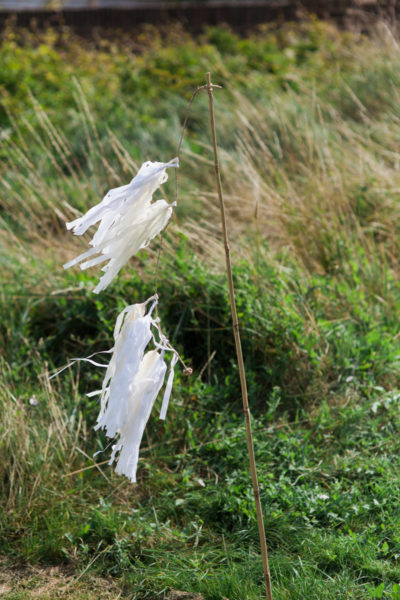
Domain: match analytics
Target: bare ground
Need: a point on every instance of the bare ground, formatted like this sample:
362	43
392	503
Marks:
26	582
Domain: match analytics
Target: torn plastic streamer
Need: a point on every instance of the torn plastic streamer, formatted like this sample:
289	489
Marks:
133	379
128	222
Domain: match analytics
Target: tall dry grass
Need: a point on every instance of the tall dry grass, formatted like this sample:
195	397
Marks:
313	170
29	450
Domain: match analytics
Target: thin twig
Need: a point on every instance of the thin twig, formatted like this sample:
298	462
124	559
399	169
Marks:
165	342
74	581
178	151
206	365
187	370
236	333
157	267
96	465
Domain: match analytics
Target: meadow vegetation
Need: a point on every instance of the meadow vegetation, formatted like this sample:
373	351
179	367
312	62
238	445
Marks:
309	127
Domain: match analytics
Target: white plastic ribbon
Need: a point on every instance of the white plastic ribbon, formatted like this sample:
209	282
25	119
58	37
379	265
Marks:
86	359
132	334
168	388
148	382
132	383
128	222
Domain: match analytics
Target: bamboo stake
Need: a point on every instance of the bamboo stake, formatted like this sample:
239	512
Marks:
250	446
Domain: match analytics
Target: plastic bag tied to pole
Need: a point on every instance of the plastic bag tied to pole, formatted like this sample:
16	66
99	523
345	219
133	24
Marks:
129	220
133	380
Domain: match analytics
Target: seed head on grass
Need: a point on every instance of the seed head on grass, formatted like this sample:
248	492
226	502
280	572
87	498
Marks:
128	222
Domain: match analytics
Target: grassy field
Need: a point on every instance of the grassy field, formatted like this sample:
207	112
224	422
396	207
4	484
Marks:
309	126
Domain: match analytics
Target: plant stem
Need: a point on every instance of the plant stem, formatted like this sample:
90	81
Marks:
250	446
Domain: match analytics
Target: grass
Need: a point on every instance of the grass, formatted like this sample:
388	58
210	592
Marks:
308	130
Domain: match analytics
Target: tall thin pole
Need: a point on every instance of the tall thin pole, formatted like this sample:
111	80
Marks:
250	446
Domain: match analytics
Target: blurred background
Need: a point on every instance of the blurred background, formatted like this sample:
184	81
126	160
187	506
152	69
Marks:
85	15
22	4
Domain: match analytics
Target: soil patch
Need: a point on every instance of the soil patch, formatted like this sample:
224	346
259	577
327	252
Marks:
49	583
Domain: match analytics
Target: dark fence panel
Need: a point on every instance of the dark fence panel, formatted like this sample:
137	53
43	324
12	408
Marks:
194	16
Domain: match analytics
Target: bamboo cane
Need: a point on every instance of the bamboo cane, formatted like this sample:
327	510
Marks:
260	521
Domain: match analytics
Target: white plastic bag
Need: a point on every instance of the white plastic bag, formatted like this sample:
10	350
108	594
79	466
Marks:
128	222
132	382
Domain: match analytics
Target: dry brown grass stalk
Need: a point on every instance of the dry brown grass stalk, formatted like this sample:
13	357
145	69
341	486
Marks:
236	333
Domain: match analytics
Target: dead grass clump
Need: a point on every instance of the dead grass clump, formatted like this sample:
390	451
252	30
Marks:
52	582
